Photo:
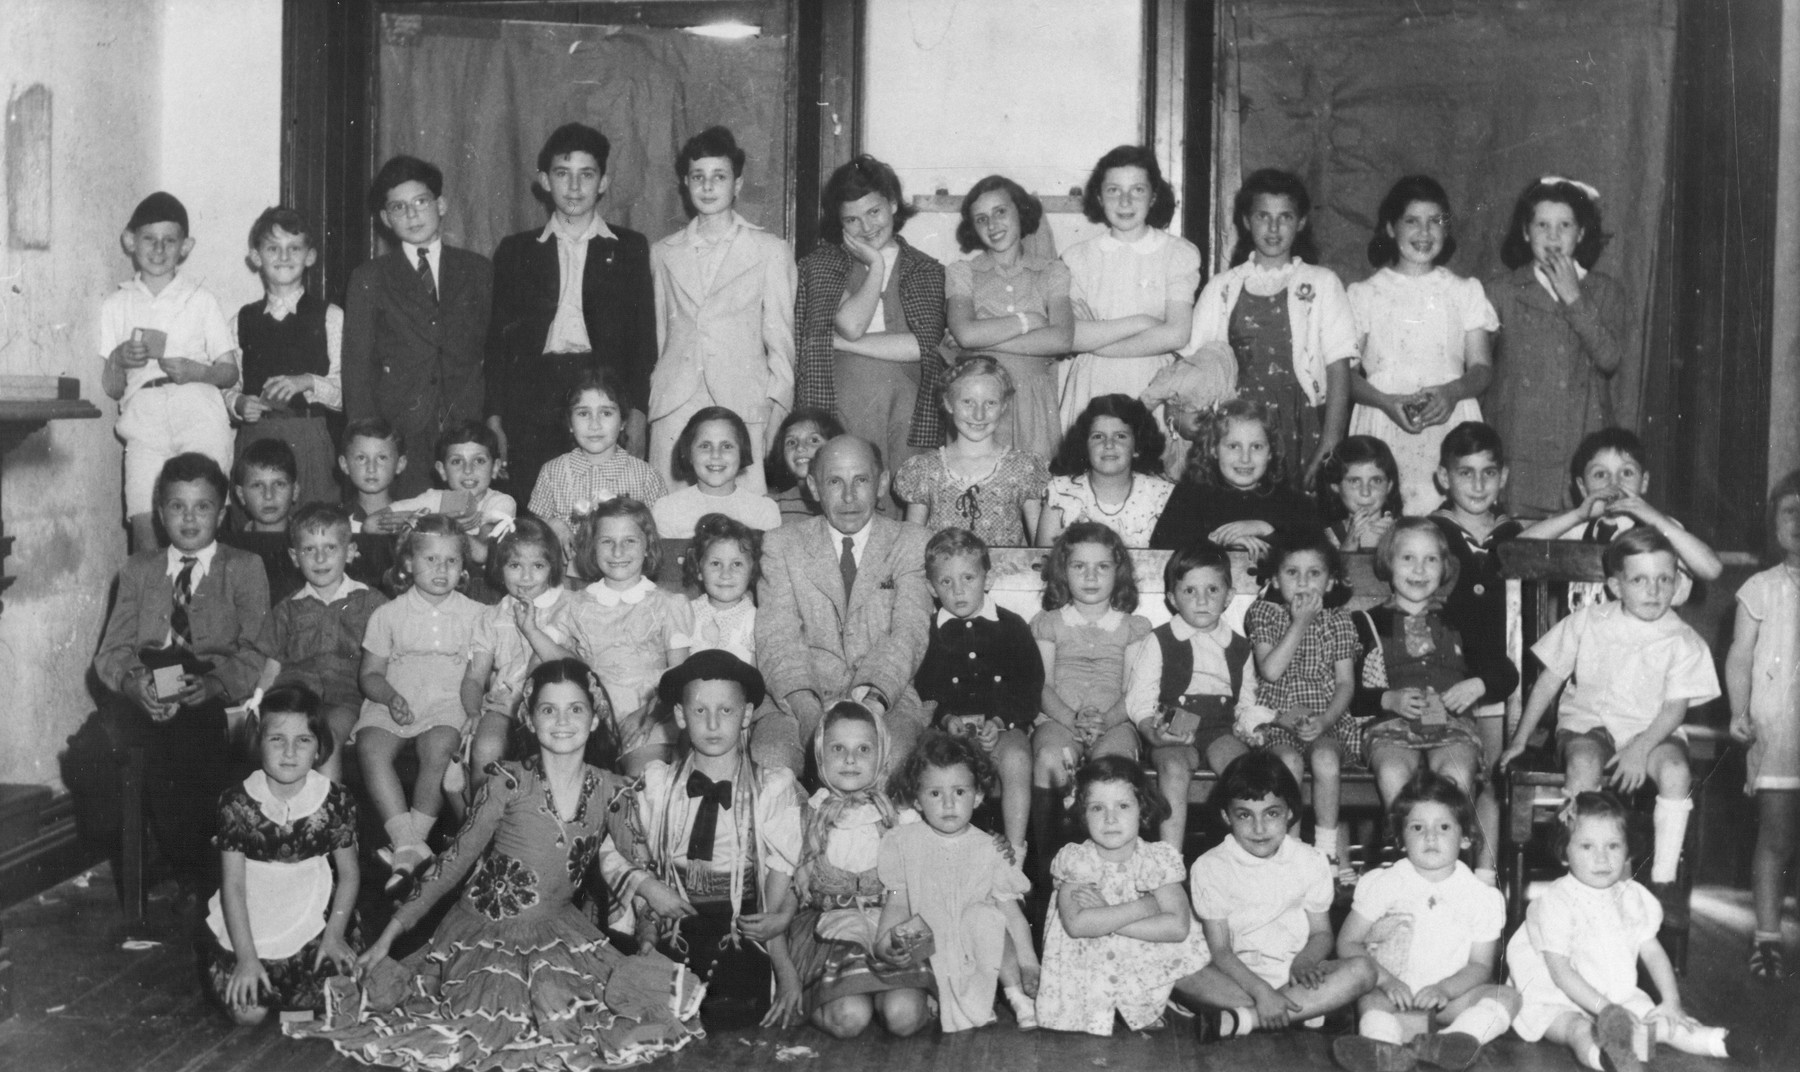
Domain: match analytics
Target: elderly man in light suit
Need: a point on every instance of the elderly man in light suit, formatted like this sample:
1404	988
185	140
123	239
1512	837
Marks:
843	610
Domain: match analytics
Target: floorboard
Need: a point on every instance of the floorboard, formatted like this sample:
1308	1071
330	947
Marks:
88	1005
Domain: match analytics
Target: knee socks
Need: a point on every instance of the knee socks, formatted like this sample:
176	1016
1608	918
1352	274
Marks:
402	831
1487	1020
1670	821
1325	839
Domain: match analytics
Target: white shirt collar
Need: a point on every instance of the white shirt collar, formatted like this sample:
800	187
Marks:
608	596
546	599
1109	621
308	800
346	585
203	560
692	230
433	249
989	610
280	308
1152	242
555	228
177	286
859	540
1220	632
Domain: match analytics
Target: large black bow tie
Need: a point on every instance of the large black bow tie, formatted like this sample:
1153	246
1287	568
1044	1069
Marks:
712	796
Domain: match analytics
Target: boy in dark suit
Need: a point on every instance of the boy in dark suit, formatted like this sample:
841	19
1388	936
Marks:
574	293
195	607
414	321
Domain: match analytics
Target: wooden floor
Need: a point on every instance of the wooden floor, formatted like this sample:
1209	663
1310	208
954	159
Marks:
85	1004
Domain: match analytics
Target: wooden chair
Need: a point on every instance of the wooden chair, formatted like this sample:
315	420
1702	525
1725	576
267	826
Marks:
1531	793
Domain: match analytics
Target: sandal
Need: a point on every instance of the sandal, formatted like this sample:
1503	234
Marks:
1765	962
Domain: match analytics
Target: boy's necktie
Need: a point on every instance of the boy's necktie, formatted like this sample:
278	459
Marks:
847	566
184	595
425	276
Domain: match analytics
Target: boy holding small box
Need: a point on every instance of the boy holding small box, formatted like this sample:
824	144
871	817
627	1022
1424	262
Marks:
168	354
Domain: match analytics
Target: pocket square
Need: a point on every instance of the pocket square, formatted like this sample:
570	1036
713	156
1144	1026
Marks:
887	585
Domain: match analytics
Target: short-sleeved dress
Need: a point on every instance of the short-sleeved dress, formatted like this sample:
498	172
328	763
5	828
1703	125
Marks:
956	883
1090	655
626	636
1032	424
1599	930
1772	598
1413	330
841	894
287	846
516	976
1134	519
1109	279
319	643
576	482
990	507
426	645
1311	675
1086	981
679	511
731	629
497	634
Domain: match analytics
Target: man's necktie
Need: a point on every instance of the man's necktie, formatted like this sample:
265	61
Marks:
179	628
712	796
847	566
425	276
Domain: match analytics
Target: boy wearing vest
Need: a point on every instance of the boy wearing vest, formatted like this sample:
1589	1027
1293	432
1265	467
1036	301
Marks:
290	348
1188	691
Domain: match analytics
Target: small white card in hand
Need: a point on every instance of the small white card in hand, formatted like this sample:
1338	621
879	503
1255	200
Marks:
169	681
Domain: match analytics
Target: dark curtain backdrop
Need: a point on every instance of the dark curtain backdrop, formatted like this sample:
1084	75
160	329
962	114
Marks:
478	97
1484	96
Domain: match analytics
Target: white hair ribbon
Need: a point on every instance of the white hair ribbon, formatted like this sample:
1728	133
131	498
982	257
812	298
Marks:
1552	180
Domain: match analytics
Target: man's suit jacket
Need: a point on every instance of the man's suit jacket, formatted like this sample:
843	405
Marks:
224	618
809	636
414	361
735	339
617	305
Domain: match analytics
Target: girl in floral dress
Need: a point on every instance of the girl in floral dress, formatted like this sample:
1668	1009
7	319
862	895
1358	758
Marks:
1120	934
975	481
1287	322
516	975
279	925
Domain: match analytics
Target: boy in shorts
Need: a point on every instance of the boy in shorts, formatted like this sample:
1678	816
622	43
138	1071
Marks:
1636	668
1185	690
168	354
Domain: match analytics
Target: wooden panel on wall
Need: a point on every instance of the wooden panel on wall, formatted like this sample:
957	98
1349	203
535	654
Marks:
1706	392
828	60
326	107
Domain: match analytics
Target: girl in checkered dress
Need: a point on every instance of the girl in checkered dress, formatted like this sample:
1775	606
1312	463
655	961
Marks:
1306	655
